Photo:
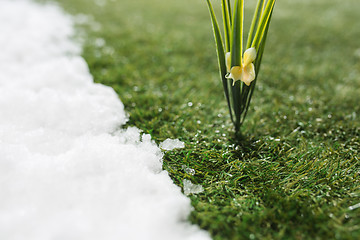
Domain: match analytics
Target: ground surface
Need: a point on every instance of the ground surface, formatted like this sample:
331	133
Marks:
66	172
295	173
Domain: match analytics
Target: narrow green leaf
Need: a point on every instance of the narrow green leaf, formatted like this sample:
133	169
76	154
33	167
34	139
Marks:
244	95
227	25
255	22
257	67
237	33
236	57
264	22
221	54
262	46
218	40
263	7
236	97
229	9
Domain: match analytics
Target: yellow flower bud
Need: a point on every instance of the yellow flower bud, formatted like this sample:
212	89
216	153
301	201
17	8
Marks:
235	73
249	56
248	74
228	61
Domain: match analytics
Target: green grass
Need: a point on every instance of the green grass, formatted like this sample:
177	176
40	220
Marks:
296	171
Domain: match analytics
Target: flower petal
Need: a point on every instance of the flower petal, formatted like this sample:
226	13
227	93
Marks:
249	56
228	61
248	74
235	73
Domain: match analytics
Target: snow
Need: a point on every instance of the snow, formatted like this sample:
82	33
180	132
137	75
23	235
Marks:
171	144
356	206
190	188
188	170
66	172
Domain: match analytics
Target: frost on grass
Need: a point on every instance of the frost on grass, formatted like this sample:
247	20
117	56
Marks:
65	172
170	144
190	188
356	206
188	170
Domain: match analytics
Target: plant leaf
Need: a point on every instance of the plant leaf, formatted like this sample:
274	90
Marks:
264	22
227	23
255	22
237	33
229	9
257	67
236	57
221	55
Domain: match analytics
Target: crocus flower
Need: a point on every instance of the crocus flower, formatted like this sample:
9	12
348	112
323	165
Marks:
246	72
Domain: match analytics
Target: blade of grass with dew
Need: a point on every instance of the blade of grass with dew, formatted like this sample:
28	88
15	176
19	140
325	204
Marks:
221	55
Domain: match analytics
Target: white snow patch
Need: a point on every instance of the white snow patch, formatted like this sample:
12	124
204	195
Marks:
65	172
170	144
190	188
